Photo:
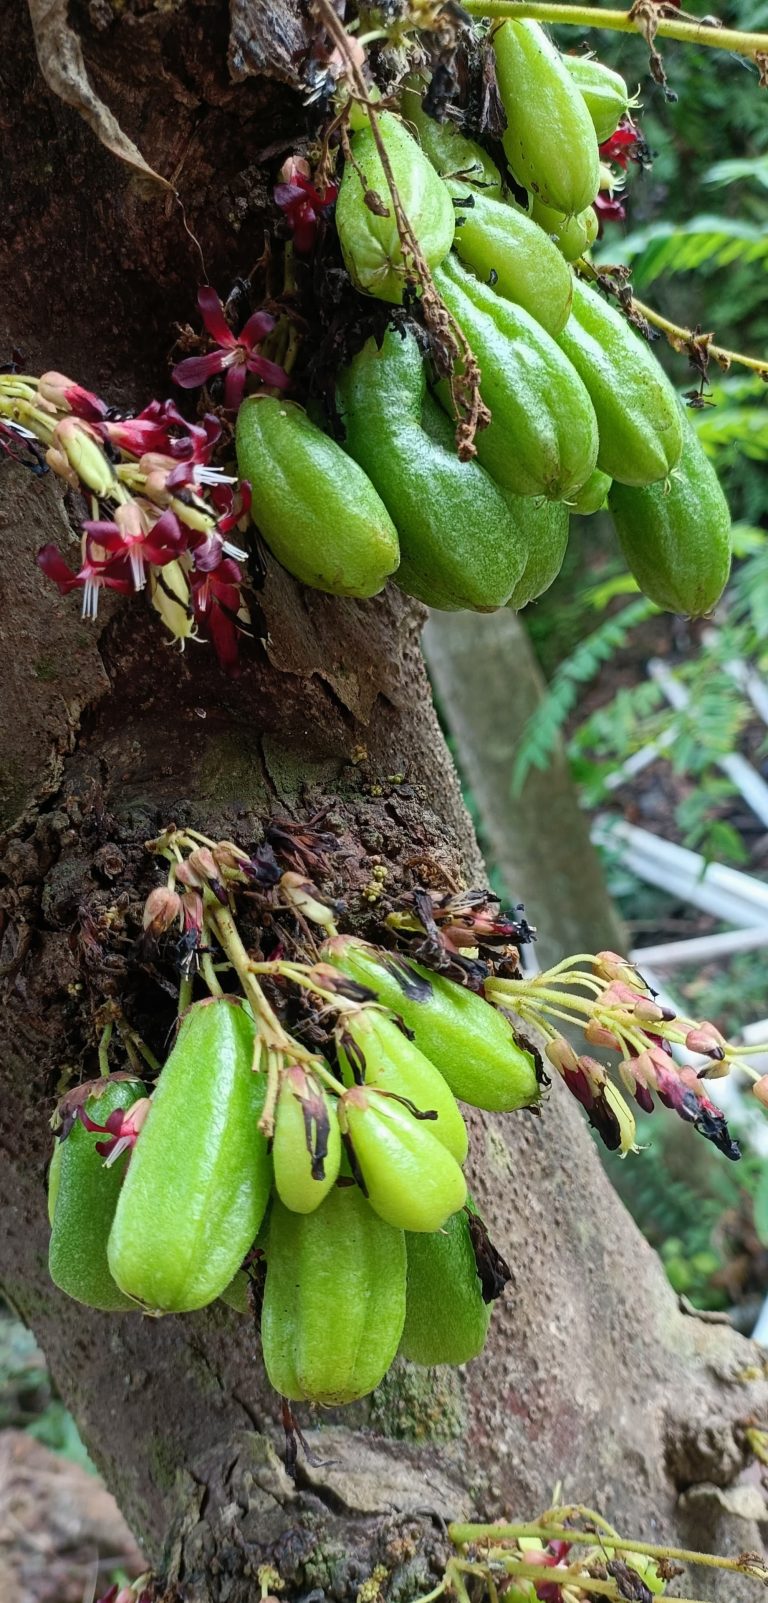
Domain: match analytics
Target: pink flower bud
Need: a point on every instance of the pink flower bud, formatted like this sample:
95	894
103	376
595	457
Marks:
760	1090
706	1038
599	1035
610	966
594	1072
561	1055
63	393
160	909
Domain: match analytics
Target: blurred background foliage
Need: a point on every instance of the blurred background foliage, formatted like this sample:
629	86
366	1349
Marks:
696	239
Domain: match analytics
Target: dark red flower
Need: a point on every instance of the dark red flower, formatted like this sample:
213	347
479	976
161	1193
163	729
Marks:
236	355
121	1128
301	204
92	576
609	210
137	538
621	145
219	607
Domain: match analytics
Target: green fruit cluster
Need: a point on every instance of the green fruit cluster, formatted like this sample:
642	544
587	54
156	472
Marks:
357	1205
582	414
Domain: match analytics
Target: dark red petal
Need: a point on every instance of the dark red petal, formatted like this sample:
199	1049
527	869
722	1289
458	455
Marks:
234	386
269	372
256	329
194	370
52	564
213	317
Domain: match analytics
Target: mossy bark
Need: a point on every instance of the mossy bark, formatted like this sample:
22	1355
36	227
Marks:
592	1377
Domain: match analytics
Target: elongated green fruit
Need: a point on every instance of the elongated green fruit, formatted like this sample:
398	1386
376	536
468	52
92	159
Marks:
471	1043
410	1178
200	1176
593	496
637	411
605	93
545	555
83	1195
676	537
315	507
453	156
572	235
306	1149
541	526
367	232
446	1319
460	542
334	1300
508	250
374	1051
550	142
542	439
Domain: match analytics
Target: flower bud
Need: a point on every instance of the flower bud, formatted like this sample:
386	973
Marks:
760	1090
599	1035
160	909
707	1039
85	456
624	1117
610	966
170	596
62	392
300	893
561	1055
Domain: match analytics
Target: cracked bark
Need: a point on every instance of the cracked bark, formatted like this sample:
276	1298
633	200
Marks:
592	1376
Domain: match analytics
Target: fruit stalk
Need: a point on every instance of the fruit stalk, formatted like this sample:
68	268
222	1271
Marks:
735	39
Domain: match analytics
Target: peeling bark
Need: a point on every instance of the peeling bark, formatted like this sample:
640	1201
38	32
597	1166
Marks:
592	1377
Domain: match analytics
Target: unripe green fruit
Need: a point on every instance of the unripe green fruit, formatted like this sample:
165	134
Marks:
572	235
542	439
375	1047
636	407
82	1197
676	536
200	1176
593	495
370	241
506	249
317	511
605	93
410	1178
334	1299
453	156
460	543
549	142
306	1147
546	552
470	1042
446	1319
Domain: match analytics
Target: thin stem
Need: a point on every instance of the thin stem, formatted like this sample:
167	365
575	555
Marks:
678	336
185	993
700	33
209	975
463	1534
106	1037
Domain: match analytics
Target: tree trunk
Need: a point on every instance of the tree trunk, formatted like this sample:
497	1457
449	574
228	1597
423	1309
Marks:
593	1377
488	685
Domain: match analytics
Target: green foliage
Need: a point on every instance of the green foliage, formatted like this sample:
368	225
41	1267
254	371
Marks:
703	244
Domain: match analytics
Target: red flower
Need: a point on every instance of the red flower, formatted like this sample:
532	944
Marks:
63	393
301	204
219	605
121	1129
621	145
609	210
92	576
137	538
236	355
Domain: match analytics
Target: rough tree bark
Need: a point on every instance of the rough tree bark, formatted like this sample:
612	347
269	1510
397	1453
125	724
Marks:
593	1377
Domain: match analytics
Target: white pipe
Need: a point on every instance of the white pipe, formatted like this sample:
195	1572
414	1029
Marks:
746	778
725	893
702	948
748	678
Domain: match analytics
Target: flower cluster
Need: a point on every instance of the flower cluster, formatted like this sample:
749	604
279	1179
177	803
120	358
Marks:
161	514
615	1009
624	146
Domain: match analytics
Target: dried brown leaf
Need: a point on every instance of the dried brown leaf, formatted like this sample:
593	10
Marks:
60	55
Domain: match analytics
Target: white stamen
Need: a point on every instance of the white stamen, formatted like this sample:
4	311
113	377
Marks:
231	550
137	569
91	599
203	475
28	434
